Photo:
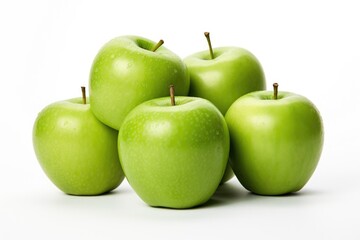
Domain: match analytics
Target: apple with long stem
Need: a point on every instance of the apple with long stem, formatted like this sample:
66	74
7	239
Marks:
129	70
222	75
174	151
276	141
76	151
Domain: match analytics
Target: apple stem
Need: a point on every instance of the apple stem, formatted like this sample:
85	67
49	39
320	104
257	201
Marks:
83	94
275	85
207	35
161	42
172	95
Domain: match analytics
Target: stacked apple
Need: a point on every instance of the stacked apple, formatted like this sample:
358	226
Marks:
222	75
174	149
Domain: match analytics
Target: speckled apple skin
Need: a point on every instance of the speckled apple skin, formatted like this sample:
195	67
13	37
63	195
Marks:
76	151
275	144
174	156
126	73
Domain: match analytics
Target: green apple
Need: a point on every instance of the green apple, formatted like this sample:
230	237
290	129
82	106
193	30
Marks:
129	70
76	151
222	75
223	78
174	156
276	141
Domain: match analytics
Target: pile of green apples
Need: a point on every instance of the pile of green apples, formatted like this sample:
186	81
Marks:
178	128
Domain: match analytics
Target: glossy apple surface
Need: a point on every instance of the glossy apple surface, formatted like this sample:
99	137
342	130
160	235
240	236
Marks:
174	156
275	144
76	151
126	72
232	73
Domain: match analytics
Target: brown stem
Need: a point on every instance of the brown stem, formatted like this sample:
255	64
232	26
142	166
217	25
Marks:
161	42
83	94
172	95
275	85
207	35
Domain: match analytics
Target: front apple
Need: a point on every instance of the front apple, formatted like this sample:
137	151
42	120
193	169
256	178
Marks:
174	156
275	143
76	151
129	70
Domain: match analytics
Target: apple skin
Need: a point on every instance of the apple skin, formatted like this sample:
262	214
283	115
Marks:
174	156
76	151
126	73
275	144
232	73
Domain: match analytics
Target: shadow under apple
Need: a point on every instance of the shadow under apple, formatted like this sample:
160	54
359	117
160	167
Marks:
231	193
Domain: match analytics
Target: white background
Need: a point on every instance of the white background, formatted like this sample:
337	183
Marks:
309	47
